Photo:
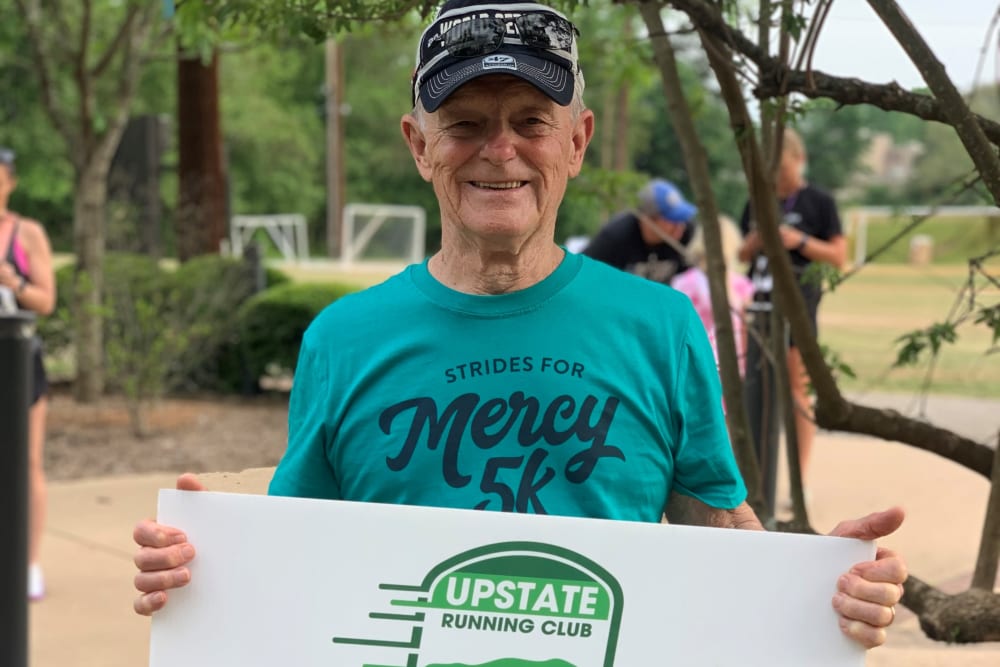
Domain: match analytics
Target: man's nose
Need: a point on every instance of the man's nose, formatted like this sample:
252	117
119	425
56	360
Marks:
499	146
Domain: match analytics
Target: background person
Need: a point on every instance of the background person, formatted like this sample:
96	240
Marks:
590	416
26	271
694	283
811	232
651	240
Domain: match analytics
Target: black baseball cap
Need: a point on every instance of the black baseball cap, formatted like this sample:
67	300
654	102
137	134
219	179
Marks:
473	38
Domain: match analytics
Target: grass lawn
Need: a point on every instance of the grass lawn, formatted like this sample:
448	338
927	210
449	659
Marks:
954	239
864	316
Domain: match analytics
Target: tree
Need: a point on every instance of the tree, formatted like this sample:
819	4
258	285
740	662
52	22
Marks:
202	219
975	615
87	57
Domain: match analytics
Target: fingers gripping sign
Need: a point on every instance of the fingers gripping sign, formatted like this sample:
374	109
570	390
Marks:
162	558
868	594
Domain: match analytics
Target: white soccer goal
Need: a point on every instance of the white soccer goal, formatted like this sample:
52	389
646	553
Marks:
287	231
858	220
383	232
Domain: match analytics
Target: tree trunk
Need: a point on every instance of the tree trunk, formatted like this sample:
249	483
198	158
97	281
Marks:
985	576
336	176
201	221
972	616
622	116
89	213
696	160
622	121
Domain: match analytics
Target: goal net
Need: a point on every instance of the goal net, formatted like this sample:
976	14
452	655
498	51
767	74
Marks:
383	233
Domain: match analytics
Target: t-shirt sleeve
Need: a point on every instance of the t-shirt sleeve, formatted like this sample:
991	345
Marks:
833	224
305	471
704	464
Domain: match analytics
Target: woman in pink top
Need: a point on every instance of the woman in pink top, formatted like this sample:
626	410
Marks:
694	283
26	273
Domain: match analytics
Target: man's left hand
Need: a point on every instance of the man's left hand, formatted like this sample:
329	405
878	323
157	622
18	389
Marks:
867	595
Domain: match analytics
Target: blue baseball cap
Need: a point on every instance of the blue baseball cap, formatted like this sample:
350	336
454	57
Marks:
664	199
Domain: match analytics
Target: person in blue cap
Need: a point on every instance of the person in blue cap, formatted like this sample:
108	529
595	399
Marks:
650	241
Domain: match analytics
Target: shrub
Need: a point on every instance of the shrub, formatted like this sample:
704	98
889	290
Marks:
140	273
271	323
206	291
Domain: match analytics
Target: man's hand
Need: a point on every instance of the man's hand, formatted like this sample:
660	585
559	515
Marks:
867	595
791	237
163	555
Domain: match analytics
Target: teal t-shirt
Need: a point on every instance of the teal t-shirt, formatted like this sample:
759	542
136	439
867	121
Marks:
593	393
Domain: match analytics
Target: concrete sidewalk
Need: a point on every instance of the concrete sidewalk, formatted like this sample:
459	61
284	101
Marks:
87	618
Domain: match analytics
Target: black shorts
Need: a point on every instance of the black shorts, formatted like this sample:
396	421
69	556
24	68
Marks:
39	381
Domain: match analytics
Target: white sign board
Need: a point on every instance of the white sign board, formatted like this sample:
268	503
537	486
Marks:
310	583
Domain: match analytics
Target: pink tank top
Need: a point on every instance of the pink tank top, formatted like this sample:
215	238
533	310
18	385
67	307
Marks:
16	254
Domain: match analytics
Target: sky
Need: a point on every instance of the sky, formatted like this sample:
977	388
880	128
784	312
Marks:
856	43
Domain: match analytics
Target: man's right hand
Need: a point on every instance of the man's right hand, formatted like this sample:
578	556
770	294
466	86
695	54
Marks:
163	555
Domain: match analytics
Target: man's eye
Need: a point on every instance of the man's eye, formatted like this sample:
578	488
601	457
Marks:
462	127
534	125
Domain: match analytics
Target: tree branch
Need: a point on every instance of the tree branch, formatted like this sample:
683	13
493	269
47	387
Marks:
86	101
777	79
985	575
109	53
137	32
833	411
53	108
956	110
696	161
764	205
891	425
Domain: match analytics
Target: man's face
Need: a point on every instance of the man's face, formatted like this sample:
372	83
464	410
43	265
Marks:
499	154
674	230
7	185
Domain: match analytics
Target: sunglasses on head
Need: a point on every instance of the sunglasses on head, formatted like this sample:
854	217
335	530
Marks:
482	36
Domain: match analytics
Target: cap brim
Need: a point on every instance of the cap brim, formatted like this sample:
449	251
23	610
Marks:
551	78
685	212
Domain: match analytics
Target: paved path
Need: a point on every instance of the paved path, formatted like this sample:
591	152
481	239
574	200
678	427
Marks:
87	620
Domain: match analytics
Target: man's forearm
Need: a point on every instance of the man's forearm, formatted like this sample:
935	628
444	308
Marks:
691	512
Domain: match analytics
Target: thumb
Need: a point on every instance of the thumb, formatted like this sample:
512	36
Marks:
871	527
189	482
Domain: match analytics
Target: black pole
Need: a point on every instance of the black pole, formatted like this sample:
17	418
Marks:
16	332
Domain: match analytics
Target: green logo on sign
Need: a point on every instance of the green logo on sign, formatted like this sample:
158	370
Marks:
512	604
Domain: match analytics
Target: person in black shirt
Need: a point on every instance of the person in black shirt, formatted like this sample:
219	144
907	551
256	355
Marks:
811	232
652	240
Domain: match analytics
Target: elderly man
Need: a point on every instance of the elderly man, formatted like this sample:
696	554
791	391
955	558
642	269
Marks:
504	373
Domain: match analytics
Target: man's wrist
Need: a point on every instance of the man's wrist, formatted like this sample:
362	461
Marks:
802	242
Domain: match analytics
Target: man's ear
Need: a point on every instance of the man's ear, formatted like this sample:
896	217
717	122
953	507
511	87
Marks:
583	132
413	134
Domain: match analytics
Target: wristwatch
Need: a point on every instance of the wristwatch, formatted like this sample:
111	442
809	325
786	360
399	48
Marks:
802	242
